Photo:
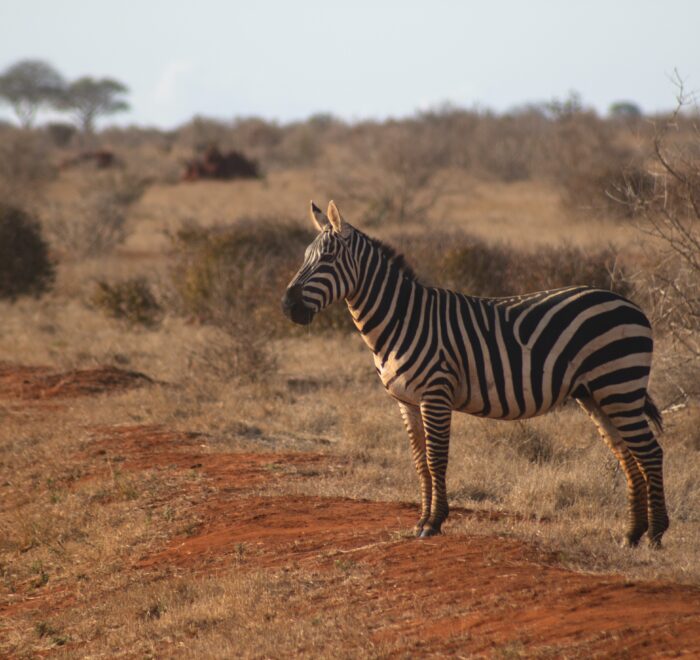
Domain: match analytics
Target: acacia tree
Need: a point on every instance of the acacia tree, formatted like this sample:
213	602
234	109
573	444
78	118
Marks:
88	98
28	85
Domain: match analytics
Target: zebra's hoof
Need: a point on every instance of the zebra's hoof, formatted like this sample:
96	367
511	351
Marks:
429	531
632	539
420	525
656	531
655	541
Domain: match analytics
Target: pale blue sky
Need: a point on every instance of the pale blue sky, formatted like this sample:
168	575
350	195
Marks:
287	60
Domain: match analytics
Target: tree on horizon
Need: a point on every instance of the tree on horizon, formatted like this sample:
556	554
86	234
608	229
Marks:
28	85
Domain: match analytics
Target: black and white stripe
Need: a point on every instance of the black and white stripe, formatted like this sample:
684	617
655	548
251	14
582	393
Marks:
437	351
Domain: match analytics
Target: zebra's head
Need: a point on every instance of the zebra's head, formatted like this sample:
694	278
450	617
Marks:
328	273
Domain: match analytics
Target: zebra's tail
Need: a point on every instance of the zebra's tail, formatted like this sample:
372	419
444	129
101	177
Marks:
652	412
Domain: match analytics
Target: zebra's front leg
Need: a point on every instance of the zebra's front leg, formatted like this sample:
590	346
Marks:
414	427
437	416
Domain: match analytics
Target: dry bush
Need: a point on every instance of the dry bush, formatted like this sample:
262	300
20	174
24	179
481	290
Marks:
223	273
93	222
25	165
60	133
509	147
392	169
669	212
200	132
586	157
131	300
581	153
131	137
389	171
25	266
505	147
235	276
152	163
274	146
148	154
468	264
301	145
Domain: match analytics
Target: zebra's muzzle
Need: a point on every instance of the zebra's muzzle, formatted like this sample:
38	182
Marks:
294	308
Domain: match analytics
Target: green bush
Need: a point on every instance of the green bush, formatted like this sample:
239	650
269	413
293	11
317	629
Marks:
25	266
131	300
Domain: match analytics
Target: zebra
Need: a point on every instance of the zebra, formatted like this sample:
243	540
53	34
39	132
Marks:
437	351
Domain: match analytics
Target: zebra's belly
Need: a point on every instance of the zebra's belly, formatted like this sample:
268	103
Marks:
512	395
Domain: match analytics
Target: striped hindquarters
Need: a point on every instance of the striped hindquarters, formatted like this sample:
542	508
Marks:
533	351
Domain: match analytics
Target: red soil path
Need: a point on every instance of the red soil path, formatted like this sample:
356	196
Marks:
450	595
38	383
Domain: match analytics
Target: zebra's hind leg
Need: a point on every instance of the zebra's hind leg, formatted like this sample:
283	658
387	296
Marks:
633	427
437	417
416	433
636	483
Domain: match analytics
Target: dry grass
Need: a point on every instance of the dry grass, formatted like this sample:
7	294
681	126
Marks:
68	517
554	471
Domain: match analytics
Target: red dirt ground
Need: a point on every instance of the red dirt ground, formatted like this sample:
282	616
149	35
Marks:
451	595
481	592
31	383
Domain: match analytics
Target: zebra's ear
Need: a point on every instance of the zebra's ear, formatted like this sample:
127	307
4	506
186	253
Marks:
318	217
334	217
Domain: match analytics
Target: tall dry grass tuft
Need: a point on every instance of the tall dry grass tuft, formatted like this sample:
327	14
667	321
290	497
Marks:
132	300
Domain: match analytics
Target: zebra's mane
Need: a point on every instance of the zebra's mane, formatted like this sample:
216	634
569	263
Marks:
392	255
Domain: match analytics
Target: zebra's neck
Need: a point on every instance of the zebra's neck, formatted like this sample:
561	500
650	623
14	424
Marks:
386	289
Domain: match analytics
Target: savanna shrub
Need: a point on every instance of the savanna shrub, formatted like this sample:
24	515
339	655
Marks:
25	266
235	276
587	159
94	222
471	265
25	165
389	171
131	300
60	133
